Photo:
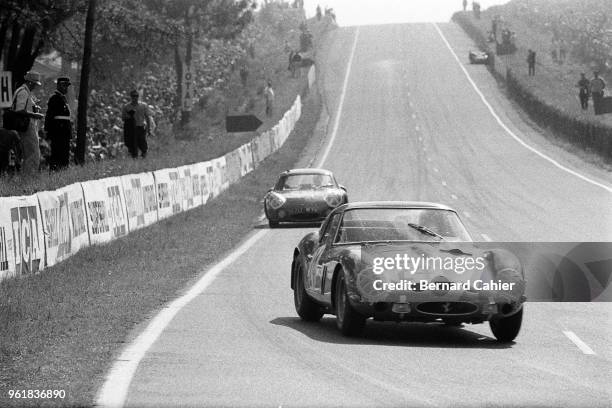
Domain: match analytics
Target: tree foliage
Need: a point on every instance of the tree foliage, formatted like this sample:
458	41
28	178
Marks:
25	25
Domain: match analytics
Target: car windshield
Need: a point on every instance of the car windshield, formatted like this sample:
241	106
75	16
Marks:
400	224
304	181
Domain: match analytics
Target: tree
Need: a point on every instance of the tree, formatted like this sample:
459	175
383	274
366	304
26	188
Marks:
194	19
25	26
81	140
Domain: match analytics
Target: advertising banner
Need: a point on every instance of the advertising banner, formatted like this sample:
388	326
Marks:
197	172
311	76
105	206
221	180
232	166
169	192
246	159
64	222
22	248
140	200
205	172
190	187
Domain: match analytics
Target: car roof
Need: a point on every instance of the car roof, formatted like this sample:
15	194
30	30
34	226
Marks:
395	204
306	171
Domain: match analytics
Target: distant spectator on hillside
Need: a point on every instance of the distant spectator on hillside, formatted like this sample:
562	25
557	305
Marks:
269	95
584	90
465	5
318	12
476	10
597	89
137	122
58	125
531	61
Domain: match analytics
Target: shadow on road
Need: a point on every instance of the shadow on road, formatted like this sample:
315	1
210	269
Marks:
394	334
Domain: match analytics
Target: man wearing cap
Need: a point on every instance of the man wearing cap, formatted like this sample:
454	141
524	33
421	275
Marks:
23	101
58	125
136	125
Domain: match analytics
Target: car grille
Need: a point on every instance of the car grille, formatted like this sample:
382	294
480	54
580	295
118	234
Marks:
447	308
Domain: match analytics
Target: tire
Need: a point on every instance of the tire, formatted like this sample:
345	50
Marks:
506	329
305	307
273	224
348	320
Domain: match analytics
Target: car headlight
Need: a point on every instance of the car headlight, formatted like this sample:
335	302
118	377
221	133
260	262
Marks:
275	201
333	200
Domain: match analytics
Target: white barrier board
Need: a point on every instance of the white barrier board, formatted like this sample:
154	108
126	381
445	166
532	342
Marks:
105	206
140	200
64	222
22	248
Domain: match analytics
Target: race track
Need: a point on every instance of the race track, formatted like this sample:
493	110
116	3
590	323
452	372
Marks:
412	127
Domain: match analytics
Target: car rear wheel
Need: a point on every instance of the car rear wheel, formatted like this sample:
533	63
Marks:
506	329
273	224
305	307
349	321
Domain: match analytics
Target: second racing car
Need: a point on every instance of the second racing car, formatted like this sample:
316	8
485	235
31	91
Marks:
303	195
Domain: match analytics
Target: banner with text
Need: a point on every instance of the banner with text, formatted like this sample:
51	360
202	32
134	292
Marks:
105	206
64	222
140	200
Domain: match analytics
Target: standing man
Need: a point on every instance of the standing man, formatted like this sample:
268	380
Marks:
531	61
58	125
269	95
136	125
584	86
24	101
464	5
597	90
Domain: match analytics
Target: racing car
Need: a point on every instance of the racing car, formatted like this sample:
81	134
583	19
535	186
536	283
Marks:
372	260
478	57
303	195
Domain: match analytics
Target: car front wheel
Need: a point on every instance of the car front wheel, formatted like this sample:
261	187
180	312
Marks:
505	329
305	307
349	321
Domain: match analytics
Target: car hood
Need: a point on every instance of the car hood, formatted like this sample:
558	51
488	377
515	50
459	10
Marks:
444	261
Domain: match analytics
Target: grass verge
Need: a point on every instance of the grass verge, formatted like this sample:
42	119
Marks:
60	329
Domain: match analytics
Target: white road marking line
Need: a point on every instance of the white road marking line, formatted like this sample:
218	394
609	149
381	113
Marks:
113	392
579	343
486	237
454	197
341	103
503	125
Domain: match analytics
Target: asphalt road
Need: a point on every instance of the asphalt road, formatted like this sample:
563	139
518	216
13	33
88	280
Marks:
412	127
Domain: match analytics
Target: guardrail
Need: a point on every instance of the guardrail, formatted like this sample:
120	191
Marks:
45	228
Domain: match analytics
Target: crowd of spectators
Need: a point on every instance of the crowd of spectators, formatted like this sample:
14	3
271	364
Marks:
584	29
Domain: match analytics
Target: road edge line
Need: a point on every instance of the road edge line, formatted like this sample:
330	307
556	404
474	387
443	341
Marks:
578	342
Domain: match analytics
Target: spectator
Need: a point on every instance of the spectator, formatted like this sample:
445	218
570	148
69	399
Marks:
584	86
269	95
465	3
24	101
597	90
584	90
531	61
136	124
318	12
58	125
10	148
